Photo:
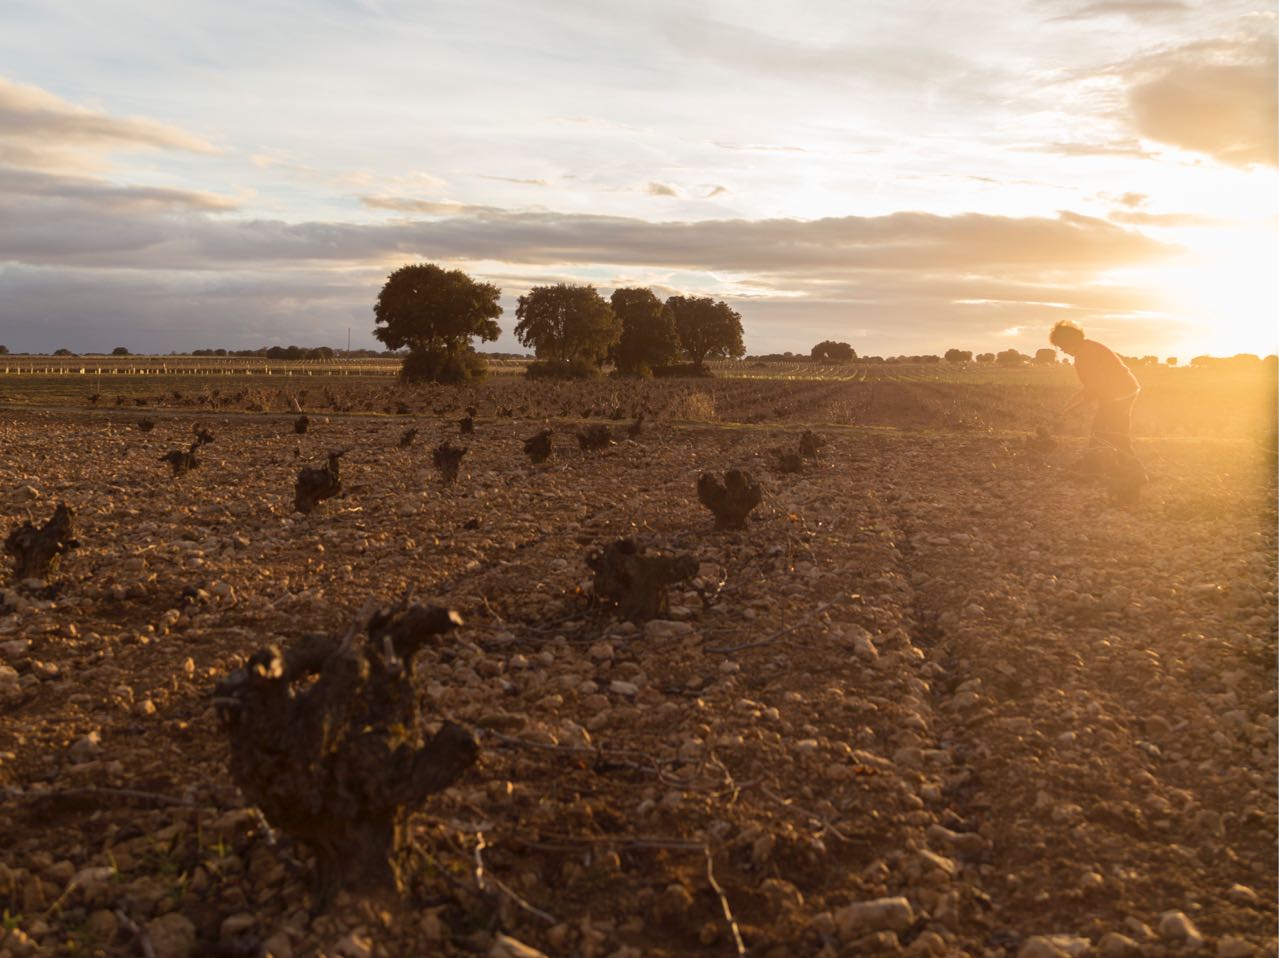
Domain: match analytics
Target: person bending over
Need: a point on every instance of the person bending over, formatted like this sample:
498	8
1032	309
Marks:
1105	380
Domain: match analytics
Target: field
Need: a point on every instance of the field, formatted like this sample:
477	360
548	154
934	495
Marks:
939	664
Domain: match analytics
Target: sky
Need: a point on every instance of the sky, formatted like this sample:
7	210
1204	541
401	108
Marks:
906	176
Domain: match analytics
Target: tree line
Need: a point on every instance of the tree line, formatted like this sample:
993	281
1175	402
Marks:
573	331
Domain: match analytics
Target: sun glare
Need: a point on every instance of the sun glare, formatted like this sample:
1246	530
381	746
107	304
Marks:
1227	294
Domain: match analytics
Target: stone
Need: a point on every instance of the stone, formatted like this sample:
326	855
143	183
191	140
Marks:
1243	895
1177	926
172	935
102	926
278	945
85	748
10	685
356	944
1232	946
505	946
879	914
1115	945
235	925
1041	946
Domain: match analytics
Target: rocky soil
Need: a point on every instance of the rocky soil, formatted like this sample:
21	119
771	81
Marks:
940	697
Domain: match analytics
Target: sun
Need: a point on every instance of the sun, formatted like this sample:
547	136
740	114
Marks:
1224	292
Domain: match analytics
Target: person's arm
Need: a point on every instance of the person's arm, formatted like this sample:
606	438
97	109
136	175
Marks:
1078	399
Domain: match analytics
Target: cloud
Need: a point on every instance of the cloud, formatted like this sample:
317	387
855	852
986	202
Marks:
903	241
1138	218
717	191
1123	147
758	147
101	195
1219	98
660	189
403	204
515	179
41	130
1156	11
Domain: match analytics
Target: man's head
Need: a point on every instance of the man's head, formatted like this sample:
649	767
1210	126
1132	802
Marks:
1067	336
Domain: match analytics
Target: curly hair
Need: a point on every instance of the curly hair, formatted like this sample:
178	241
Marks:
1066	332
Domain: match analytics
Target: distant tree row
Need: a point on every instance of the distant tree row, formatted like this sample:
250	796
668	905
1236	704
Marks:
435	314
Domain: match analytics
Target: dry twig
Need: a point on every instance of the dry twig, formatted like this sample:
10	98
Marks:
723	902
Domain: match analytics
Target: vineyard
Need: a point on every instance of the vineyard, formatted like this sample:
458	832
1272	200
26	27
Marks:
941	694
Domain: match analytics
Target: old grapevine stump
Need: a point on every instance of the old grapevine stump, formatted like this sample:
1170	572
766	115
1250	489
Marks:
447	459
810	444
407	437
182	461
538	447
328	741
314	485
466	425
730	501
594	438
636	583
35	551
301	425
635	428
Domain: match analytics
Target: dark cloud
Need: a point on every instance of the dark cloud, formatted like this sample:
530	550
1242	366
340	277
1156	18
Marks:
85	235
92	276
1219	98
100	194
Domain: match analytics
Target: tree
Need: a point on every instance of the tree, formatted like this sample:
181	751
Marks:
435	313
706	328
958	356
1046	355
567	324
4	350
1171	360
830	351
1010	357
121	351
63	351
985	357
648	335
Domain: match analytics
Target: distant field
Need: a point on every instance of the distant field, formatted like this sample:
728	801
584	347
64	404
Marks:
1176	401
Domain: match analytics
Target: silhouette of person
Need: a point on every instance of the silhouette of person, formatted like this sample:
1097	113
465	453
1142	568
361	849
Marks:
1104	379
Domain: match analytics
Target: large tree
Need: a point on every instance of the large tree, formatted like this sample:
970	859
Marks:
706	328
648	336
830	351
567	323
435	313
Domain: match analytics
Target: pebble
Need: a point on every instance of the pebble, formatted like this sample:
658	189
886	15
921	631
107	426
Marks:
1177	926
1115	945
1232	946
1243	895
172	935
86	748
10	685
506	947
1041	946
879	914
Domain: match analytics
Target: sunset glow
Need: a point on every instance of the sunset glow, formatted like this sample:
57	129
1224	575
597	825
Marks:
898	175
